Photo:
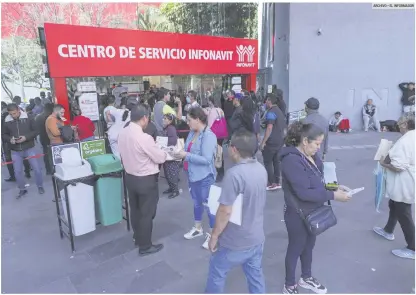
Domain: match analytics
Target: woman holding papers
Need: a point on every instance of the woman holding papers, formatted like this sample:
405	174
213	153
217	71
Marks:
304	190
400	186
199	163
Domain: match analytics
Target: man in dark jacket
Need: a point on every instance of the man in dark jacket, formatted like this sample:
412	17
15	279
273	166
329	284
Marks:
20	131
273	141
228	106
408	97
43	136
7	151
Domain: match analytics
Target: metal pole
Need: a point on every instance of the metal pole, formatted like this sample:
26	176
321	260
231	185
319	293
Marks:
71	233
56	192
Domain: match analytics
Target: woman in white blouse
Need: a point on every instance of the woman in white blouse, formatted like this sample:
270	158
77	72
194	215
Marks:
400	186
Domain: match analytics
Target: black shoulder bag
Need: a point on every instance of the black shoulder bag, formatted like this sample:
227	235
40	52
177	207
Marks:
321	218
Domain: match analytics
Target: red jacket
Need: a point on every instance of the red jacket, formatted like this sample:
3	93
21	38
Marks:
85	127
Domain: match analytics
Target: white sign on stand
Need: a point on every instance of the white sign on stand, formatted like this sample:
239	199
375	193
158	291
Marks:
88	104
86	87
269	88
236	80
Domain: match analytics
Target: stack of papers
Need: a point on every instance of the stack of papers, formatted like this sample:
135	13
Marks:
383	149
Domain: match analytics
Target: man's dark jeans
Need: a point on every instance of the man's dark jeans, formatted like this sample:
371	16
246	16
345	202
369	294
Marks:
272	164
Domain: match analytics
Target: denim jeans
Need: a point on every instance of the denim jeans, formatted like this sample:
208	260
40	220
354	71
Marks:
223	260
199	191
17	157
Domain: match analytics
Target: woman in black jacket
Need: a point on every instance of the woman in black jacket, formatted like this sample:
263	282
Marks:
304	189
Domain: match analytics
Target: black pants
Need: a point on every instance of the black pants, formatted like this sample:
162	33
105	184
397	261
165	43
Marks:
8	158
301	244
171	169
220	171
47	158
402	213
143	198
272	164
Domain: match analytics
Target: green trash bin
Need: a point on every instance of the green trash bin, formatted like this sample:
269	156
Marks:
108	190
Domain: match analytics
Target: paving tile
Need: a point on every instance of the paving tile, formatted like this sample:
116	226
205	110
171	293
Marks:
61	286
112	276
39	272
112	249
153	278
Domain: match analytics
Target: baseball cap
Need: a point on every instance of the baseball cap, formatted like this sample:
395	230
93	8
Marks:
312	103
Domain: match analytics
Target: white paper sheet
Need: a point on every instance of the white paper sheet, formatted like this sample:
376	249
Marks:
330	173
162	141
383	149
213	204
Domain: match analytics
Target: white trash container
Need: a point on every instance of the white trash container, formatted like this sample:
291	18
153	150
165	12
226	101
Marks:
80	196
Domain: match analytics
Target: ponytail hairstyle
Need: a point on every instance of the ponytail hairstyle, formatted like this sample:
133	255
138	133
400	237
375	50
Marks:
297	131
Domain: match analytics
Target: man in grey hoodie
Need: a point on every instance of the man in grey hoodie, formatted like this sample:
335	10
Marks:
314	117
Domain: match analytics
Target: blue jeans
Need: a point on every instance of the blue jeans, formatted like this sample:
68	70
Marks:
223	260
199	191
88	138
17	158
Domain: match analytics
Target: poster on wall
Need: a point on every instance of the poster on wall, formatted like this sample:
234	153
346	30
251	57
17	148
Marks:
88	104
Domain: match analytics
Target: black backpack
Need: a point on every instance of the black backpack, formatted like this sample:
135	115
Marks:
67	134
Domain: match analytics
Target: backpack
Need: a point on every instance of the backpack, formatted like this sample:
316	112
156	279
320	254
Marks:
67	134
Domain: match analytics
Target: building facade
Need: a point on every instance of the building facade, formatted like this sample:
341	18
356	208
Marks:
342	54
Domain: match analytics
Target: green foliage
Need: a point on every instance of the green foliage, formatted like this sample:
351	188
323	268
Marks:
21	59
151	19
238	20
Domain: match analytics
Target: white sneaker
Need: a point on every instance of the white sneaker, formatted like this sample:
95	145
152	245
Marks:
193	233
313	285
207	239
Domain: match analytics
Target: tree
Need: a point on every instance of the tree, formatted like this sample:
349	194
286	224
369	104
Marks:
4	79
21	61
150	18
237	20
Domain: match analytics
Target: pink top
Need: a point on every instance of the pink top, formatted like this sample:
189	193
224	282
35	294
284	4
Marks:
185	163
138	151
213	115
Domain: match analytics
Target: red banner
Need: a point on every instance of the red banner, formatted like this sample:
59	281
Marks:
78	51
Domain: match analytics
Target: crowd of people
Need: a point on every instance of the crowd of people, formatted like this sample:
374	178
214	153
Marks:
23	126
292	156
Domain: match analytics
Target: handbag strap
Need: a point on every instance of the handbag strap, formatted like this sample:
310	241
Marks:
295	199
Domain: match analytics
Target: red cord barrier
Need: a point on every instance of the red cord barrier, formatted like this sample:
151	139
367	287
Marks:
30	157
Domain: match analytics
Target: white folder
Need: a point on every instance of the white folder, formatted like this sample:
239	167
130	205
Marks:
213	204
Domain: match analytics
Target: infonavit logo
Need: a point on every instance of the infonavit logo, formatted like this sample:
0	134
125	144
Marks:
393	5
245	56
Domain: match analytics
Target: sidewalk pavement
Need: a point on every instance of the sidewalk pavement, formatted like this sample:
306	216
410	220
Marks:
349	258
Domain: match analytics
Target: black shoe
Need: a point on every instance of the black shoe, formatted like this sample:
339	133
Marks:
173	195
21	194
27	174
168	191
292	290
10	179
41	190
152	250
